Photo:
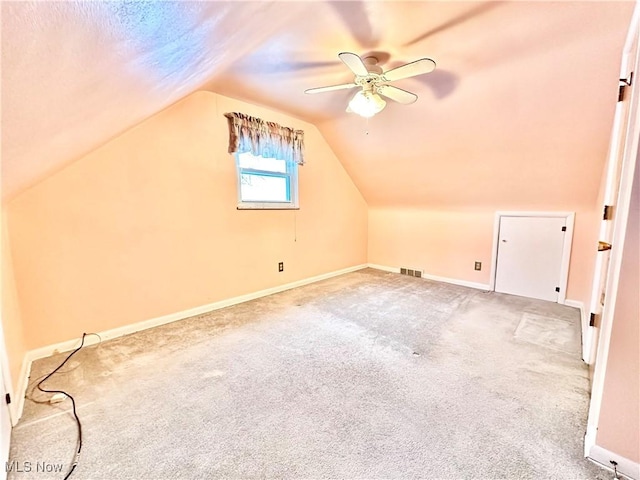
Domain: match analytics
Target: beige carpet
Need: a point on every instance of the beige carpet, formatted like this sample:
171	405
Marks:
367	375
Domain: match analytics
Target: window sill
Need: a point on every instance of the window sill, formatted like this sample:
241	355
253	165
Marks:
266	206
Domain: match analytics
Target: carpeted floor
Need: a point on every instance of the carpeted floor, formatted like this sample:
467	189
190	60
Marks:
367	375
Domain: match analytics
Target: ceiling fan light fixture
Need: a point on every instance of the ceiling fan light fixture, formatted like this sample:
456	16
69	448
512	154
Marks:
373	82
366	104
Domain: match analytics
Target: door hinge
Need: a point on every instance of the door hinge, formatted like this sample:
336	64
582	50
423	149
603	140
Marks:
608	212
622	90
592	320
564	229
604	246
7	399
558	289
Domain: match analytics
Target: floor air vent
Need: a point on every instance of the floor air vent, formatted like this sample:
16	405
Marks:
410	272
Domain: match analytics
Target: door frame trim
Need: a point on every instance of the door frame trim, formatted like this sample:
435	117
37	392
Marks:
7	385
566	247
630	161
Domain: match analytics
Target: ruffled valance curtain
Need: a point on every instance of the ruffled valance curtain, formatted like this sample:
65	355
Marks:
266	139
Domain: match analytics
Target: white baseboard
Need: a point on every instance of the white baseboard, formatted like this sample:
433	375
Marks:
21	389
384	268
626	467
584	328
454	281
68	345
574	303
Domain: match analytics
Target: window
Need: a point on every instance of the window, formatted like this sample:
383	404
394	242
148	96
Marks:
267	183
267	156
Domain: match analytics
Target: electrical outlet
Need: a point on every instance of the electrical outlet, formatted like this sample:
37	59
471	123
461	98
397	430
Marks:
281	267
478	266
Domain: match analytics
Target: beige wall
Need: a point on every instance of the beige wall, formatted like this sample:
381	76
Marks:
446	243
11	319
443	243
619	424
147	226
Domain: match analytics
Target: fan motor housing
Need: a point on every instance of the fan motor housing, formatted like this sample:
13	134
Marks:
372	65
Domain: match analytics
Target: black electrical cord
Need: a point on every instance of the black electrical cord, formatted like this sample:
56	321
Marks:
34	383
73	402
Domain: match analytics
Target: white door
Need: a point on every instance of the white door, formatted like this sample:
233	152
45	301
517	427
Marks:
624	155
529	259
613	172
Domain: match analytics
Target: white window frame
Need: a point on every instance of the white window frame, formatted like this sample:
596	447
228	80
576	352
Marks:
292	180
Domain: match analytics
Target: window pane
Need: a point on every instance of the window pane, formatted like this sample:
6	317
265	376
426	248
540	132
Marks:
247	160
263	188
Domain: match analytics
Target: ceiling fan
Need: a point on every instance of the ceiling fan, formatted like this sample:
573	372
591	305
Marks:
373	82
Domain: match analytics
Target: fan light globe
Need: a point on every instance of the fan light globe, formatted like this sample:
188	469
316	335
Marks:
366	104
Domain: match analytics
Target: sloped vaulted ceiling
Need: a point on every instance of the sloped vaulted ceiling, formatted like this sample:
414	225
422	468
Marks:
520	104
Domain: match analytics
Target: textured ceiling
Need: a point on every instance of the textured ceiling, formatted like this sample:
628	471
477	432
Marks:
520	104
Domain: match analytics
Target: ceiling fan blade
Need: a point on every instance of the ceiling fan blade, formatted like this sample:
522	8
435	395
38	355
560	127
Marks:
354	62
397	94
457	20
419	67
330	88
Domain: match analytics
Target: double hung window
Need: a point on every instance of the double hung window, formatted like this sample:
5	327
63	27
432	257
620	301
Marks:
268	183
267	156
